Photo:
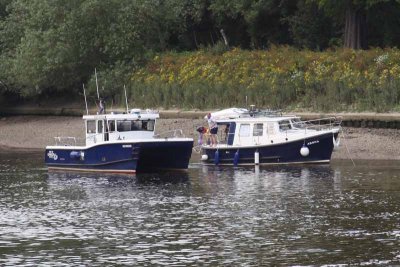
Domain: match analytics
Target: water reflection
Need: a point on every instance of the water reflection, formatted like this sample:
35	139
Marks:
209	215
173	177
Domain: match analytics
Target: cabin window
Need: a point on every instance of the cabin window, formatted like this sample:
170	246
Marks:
135	125
297	123
244	130
148	125
270	128
99	126
111	126
126	126
284	125
258	129
91	126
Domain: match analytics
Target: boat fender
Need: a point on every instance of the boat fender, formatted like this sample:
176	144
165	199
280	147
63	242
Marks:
304	151
256	158
75	155
204	157
336	143
216	157
82	155
236	158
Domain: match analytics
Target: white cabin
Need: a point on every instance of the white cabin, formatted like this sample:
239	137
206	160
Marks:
110	127
254	131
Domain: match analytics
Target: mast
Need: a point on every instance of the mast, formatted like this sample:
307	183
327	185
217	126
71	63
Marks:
126	100
84	93
97	84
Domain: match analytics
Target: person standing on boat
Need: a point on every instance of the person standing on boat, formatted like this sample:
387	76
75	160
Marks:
212	125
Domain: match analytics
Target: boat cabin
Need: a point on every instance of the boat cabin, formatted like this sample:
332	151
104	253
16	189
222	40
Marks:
110	127
256	131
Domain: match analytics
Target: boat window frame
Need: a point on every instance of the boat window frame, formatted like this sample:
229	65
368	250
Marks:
91	126
244	130
284	125
134	125
297	123
150	125
100	126
257	131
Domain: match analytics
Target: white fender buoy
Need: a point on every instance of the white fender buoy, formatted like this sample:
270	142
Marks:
304	151
204	157
336	143
256	158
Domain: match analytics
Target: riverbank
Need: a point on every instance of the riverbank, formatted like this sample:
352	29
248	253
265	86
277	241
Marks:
35	132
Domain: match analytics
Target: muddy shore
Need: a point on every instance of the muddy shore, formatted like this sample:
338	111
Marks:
35	132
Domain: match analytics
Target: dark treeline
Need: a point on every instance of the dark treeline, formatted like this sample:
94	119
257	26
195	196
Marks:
53	46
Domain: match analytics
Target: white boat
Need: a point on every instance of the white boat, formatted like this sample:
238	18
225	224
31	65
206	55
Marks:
121	143
265	137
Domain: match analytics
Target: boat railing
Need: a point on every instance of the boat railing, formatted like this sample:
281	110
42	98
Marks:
314	125
65	141
177	133
323	123
72	141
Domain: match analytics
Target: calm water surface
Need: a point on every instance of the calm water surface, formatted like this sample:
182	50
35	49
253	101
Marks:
210	216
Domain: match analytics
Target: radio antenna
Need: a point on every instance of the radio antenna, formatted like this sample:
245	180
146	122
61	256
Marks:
126	100
84	93
97	84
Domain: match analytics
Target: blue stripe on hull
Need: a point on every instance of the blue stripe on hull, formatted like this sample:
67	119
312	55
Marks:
320	147
130	157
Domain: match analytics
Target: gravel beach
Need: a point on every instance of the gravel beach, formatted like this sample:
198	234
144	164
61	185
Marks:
35	132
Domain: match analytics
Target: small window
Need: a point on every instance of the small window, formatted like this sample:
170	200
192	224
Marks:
258	129
111	126
150	125
136	125
99	126
270	128
297	123
284	125
91	126
244	130
125	126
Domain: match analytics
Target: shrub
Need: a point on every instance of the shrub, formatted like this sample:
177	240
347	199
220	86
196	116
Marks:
281	77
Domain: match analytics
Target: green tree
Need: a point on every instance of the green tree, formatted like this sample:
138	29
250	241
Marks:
355	14
55	45
262	20
311	28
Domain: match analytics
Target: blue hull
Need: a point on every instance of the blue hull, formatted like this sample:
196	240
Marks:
320	150
121	157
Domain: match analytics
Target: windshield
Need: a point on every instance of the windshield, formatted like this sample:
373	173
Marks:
297	123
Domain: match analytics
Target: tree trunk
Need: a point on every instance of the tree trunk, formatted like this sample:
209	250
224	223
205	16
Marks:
224	37
355	31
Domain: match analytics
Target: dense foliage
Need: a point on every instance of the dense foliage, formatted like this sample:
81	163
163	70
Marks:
278	78
53	46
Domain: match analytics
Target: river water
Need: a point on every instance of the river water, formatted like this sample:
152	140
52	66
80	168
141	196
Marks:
209	216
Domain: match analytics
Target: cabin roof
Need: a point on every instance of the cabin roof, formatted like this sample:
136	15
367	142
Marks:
258	119
123	116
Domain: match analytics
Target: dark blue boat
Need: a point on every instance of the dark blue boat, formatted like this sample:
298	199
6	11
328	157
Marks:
264	138
121	143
